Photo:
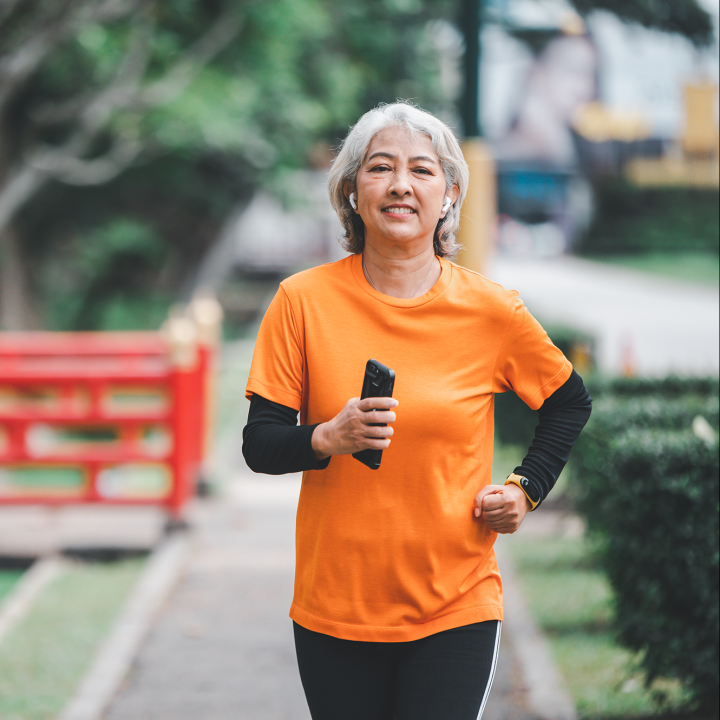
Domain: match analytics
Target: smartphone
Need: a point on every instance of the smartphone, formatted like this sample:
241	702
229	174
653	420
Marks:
378	382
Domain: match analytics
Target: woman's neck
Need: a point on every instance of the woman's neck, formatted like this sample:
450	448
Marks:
401	275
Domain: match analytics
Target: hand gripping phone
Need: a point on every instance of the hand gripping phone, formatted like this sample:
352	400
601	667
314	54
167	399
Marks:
378	382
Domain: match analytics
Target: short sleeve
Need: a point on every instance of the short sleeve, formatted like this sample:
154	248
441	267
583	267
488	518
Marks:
278	360
527	360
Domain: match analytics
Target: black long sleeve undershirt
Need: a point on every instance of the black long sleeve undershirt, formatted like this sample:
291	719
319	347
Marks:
561	419
274	444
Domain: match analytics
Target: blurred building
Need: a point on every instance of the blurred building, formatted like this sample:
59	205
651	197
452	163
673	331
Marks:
564	104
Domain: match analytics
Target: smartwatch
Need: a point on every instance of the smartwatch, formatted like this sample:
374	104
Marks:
531	491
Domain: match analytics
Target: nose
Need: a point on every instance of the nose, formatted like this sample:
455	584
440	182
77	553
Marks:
400	184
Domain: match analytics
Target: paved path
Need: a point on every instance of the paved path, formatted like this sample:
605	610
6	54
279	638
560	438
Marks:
222	649
667	326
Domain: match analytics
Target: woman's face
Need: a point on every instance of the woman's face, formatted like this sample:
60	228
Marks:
400	189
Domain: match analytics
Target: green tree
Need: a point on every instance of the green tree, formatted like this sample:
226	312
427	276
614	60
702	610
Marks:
139	119
107	103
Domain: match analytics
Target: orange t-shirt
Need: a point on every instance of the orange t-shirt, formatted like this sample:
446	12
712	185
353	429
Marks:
396	553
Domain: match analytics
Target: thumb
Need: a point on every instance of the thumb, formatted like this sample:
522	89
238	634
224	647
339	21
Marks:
484	492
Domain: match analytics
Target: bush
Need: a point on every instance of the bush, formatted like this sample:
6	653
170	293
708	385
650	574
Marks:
649	490
515	422
616	415
672	386
631	220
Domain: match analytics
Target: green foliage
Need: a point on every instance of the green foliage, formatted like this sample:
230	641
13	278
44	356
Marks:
649	489
102	283
654	412
670	387
630	220
298	73
515	422
281	94
570	597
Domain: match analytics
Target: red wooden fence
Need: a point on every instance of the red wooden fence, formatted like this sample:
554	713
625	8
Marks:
120	418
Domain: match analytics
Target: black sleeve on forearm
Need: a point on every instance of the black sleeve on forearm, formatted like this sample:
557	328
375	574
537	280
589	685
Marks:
562	416
273	442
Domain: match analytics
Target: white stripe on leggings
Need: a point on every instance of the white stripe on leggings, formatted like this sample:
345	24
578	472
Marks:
496	652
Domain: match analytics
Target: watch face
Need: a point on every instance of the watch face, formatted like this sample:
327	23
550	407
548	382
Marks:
530	490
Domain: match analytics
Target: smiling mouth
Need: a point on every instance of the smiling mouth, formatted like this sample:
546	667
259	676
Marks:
399	210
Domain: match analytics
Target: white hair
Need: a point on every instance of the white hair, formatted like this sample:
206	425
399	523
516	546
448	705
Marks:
352	152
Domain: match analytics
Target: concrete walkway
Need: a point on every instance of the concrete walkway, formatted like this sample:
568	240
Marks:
222	648
660	326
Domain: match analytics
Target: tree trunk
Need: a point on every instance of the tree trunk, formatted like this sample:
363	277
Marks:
17	306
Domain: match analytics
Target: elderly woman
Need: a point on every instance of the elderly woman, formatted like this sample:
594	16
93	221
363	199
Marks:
398	599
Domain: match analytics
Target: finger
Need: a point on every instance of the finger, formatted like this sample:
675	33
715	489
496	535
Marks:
504	528
487	490
374	443
373	430
497	518
484	492
375	436
496	501
377	403
378	416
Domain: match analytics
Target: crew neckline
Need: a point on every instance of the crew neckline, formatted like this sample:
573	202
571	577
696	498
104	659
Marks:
442	282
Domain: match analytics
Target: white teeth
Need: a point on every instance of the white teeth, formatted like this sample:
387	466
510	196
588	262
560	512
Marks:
399	211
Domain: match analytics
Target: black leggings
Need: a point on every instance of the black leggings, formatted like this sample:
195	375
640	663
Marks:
446	676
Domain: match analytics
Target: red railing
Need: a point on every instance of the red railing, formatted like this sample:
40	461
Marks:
118	418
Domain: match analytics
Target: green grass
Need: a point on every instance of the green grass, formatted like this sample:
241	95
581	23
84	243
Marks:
231	410
701	268
8	578
572	602
44	657
603	679
232	407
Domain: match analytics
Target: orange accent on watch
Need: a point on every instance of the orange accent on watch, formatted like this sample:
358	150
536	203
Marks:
524	484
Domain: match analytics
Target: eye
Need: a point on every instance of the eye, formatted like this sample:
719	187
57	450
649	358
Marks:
379	168
422	171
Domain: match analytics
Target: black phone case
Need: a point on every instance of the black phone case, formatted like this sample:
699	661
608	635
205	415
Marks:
375	384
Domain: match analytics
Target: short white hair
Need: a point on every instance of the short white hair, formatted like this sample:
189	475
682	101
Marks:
352	152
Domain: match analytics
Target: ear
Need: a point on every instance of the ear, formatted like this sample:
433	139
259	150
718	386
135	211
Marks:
453	193
348	189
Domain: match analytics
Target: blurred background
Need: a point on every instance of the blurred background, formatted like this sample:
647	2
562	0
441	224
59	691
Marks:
150	148
154	151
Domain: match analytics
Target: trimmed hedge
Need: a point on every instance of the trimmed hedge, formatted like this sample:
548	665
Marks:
672	386
515	422
648	487
631	220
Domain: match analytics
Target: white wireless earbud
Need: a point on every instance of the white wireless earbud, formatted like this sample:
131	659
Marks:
448	203
352	201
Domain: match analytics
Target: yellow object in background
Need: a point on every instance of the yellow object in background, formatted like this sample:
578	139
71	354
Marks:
700	136
694	163
479	210
599	123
